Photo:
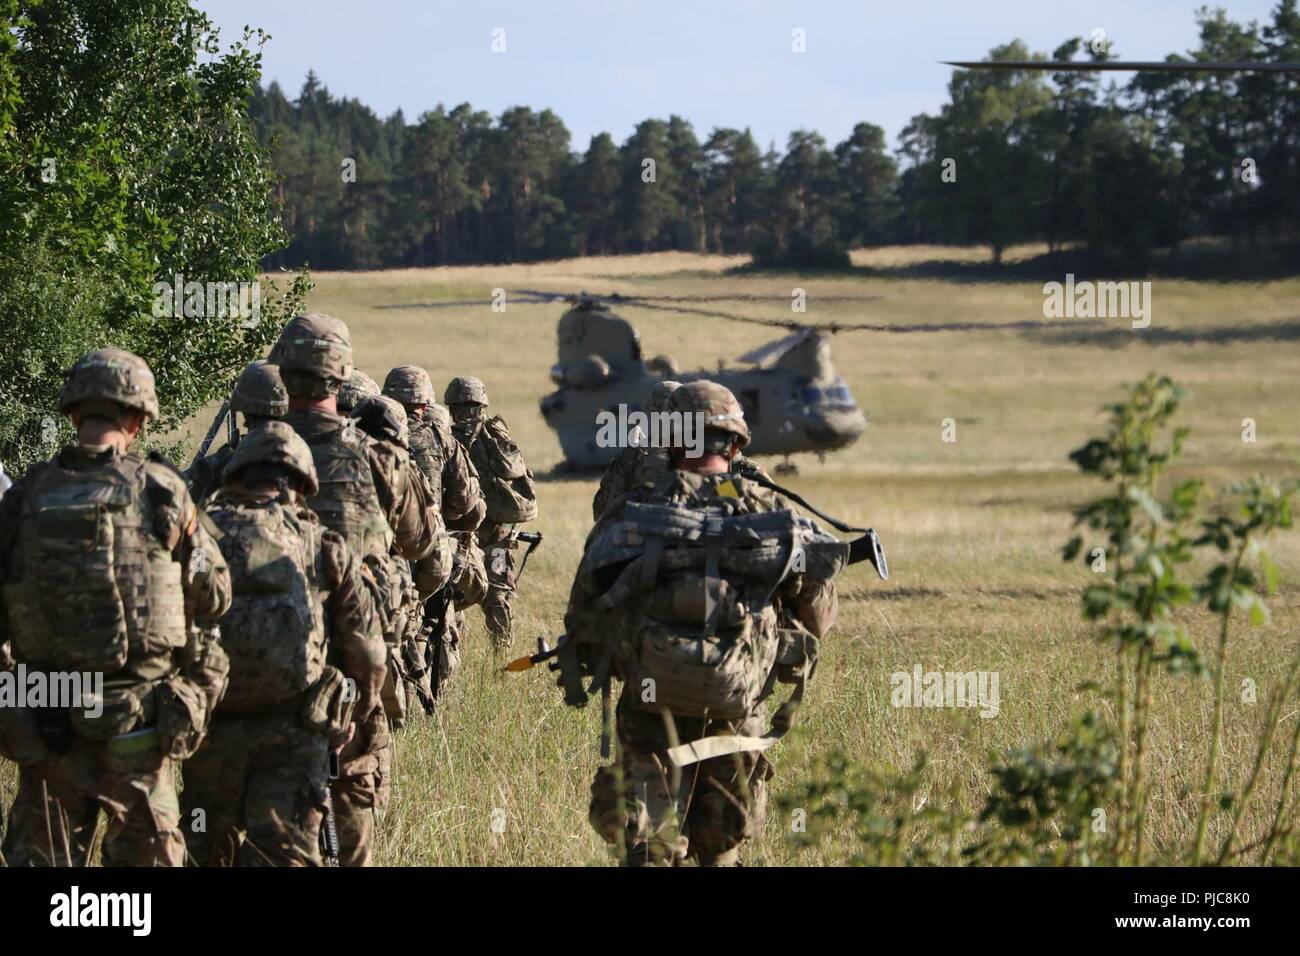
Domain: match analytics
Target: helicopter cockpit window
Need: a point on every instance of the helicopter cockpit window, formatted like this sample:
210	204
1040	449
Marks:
834	394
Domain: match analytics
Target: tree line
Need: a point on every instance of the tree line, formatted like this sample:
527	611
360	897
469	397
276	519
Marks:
1125	168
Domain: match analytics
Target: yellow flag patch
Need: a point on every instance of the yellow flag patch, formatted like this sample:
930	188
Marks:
727	489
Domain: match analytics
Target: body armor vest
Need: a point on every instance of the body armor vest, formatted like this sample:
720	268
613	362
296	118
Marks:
429	456
94	587
347	501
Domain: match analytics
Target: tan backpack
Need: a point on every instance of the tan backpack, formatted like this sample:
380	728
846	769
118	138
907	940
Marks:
507	482
274	631
699	634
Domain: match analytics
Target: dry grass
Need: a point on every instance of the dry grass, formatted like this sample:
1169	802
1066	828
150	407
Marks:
972	528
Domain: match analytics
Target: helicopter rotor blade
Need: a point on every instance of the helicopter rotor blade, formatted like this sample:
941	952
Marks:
1151	66
530	298
775	349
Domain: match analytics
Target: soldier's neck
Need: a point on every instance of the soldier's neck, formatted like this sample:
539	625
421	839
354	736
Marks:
327	404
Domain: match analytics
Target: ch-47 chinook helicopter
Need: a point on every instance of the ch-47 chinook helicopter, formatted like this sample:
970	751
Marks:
793	398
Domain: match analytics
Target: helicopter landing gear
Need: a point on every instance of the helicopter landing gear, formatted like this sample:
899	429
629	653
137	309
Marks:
786	467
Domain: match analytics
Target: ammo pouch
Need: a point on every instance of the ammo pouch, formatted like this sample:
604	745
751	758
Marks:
327	705
796	655
127	708
182	717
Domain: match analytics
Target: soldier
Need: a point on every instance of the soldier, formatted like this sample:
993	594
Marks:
108	568
260	397
368	496
385	421
304	648
699	634
507	489
446	464
640	465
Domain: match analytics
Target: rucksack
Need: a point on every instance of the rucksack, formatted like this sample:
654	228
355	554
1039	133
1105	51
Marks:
274	631
507	482
701	635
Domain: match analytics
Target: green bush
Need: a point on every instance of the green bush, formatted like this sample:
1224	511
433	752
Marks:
126	159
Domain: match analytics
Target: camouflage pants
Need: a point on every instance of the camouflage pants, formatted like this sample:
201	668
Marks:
260	777
361	792
56	811
500	560
662	814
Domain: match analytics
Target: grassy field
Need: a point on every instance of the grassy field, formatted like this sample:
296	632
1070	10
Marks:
973	528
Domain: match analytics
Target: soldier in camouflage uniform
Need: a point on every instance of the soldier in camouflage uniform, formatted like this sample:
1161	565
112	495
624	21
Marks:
107	567
260	397
385	421
638	465
498	462
685	785
300	628
368	496
446	464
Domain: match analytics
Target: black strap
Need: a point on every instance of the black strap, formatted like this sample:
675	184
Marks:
754	476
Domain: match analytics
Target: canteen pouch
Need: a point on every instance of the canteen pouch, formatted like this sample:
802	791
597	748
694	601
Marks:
182	715
126	708
328	704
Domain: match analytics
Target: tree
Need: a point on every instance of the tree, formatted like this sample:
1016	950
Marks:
866	180
127	160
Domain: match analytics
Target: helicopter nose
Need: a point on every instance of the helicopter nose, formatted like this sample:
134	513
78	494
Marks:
829	430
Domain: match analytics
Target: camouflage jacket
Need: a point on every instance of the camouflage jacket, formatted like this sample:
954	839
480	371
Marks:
403	500
205	475
181	532
447	466
636	467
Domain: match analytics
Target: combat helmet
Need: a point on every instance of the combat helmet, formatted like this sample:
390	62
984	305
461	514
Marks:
111	375
410	385
316	345
657	400
440	415
382	417
358	386
275	443
463	390
260	392
718	405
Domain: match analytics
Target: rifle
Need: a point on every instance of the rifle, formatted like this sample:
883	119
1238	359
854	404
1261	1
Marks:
534	540
212	431
544	653
866	548
329	833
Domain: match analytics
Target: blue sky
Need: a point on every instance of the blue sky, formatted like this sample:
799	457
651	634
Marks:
604	66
